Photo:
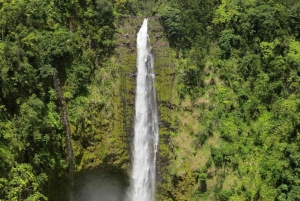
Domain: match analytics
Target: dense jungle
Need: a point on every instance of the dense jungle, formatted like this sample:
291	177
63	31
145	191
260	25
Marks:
228	90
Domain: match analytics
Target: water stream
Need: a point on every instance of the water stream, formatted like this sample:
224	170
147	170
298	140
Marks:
65	121
146	122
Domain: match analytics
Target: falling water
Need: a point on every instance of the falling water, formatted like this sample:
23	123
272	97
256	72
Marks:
146	123
65	121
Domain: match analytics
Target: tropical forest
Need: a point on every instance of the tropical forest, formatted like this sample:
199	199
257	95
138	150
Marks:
226	97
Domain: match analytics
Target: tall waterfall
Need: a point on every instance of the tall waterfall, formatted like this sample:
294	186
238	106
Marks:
146	123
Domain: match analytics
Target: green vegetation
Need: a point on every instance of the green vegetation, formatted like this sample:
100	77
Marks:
228	83
239	78
39	39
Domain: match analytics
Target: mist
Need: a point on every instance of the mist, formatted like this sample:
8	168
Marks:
100	188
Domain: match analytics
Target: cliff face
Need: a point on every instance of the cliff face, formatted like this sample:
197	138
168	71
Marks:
164	68
171	185
102	137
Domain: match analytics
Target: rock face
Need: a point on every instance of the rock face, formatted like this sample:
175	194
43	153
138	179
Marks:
102	135
164	68
175	176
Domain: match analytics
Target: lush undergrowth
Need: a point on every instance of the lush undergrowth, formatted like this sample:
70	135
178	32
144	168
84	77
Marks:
39	40
239	91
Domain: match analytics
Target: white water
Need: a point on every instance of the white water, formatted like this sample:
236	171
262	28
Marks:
146	123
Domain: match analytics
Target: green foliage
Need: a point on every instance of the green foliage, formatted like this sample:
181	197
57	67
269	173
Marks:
170	21
184	21
202	176
217	156
126	6
224	195
39	39
294	193
22	184
228	40
241	70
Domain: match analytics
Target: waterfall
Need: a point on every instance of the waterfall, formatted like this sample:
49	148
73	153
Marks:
146	123
65	122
